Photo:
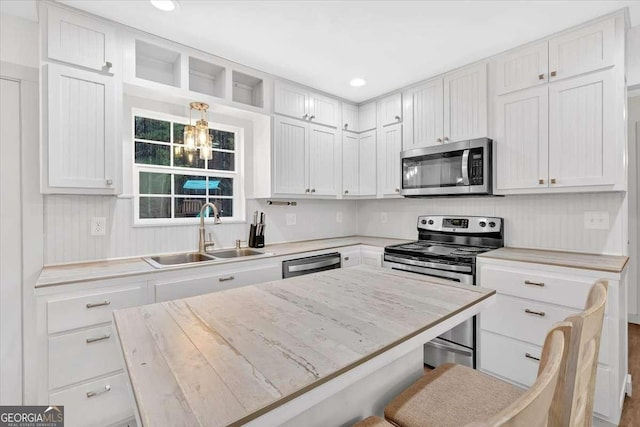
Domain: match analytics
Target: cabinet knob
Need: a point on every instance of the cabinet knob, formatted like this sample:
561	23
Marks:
109	182
306	190
541	181
397	190
553	180
108	65
305	116
446	138
312	117
553	74
397	118
346	125
540	76
346	258
346	191
439	140
313	190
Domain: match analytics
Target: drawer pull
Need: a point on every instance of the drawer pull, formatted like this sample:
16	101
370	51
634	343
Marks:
529	282
226	279
91	394
102	338
529	356
537	313
98	304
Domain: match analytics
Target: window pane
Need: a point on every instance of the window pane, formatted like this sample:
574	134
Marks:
186	159
223	140
152	154
191	185
155	207
178	133
220	186
155	183
153	130
225	206
188	208
222	161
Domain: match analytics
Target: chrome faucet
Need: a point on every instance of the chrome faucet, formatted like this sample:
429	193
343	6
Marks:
203	243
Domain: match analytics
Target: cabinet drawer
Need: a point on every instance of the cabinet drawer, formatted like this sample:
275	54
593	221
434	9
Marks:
509	317
110	404
91	308
570	291
168	291
82	355
506	358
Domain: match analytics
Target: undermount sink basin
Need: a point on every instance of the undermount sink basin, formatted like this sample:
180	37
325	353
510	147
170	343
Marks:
235	253
178	259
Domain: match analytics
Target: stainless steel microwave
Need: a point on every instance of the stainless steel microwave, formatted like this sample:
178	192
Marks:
457	168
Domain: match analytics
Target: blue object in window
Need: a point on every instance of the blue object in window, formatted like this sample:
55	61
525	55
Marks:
200	184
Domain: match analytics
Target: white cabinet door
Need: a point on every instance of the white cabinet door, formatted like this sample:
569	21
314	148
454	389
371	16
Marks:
322	160
582	131
323	110
523	68
80	147
423	122
350	155
291	101
389	147
390	110
367	163
372	257
522	141
79	40
367	116
588	49
465	104
290	156
350	118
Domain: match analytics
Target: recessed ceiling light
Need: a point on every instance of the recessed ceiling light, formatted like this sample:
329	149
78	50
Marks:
165	5
357	82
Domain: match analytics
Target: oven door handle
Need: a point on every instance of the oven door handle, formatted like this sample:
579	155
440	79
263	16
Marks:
441	345
465	167
465	279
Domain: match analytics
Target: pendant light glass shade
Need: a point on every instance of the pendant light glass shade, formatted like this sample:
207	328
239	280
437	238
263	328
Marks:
206	153
197	137
190	138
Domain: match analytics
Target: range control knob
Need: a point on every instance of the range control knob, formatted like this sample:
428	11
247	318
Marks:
483	224
423	222
492	224
430	222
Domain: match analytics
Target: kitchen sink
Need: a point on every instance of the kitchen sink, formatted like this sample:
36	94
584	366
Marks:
178	259
236	253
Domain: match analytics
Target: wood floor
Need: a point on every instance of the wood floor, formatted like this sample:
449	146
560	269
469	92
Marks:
631	409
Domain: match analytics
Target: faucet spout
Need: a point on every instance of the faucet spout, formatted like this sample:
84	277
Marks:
203	244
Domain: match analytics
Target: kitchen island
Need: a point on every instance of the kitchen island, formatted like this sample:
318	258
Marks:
322	349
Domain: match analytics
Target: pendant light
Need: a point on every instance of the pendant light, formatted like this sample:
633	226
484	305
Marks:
197	137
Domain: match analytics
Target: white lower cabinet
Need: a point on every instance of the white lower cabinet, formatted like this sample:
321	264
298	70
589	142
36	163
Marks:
530	299
371	256
350	257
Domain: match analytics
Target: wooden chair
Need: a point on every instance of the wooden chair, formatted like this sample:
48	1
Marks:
531	409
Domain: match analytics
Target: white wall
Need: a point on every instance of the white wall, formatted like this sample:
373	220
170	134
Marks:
18	41
540	221
634	197
633	57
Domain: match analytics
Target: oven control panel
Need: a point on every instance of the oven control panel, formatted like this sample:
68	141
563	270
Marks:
469	224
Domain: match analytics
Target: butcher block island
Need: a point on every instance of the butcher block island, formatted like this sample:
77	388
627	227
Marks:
322	349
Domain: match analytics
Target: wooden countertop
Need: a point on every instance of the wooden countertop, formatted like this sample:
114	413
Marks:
226	358
609	263
110	269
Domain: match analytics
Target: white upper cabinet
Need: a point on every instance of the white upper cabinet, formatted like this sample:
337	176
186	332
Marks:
322	160
582	131
290	156
587	49
367	116
522	69
465	104
350	159
389	148
80	149
350	117
367	163
298	102
80	40
521	146
423	115
390	110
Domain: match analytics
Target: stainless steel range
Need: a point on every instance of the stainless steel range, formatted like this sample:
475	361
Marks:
447	247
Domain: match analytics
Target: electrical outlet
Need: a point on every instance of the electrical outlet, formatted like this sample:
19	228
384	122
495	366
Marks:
339	216
291	219
98	226
596	220
383	217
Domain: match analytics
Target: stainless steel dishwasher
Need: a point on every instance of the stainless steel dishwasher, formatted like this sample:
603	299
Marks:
311	264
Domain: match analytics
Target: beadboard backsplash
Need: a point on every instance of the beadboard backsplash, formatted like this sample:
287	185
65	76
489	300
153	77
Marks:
553	221
68	239
540	221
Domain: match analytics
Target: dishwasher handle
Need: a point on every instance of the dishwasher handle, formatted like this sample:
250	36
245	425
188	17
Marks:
314	265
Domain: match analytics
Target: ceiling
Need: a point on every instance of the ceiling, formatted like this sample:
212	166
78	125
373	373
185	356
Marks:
324	44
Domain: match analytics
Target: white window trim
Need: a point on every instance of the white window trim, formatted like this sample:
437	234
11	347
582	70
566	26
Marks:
239	207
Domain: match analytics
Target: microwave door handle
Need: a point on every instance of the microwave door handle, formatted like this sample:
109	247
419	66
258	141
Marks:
465	167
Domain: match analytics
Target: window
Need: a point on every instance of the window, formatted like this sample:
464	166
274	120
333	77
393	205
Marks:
172	184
